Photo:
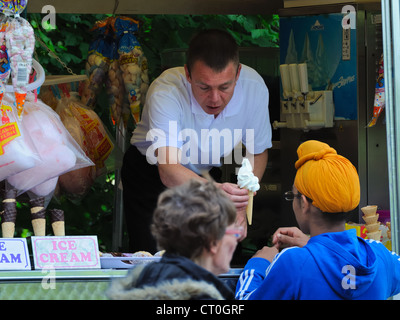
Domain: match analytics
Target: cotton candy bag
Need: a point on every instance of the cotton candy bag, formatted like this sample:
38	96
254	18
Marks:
58	150
17	151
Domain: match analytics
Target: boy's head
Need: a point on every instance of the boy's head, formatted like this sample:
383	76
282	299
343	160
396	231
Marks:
327	180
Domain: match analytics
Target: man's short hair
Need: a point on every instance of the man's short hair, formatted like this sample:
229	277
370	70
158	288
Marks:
216	48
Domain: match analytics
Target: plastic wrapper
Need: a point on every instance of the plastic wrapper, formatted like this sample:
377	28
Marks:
17	150
20	45
13	7
58	150
133	63
379	100
119	105
89	132
98	62
4	60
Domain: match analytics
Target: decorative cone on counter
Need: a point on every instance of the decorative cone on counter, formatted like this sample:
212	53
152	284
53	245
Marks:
57	221
38	216
371	222
9	214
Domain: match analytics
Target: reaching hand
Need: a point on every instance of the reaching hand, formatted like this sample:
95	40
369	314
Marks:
289	237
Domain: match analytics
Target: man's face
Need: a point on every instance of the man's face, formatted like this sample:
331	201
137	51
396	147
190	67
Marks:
213	90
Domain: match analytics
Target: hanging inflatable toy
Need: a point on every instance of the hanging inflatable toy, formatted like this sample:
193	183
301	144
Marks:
379	100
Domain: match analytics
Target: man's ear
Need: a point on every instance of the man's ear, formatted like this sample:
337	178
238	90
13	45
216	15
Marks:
187	73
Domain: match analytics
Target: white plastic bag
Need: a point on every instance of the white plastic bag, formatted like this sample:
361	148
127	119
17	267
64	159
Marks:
17	151
58	150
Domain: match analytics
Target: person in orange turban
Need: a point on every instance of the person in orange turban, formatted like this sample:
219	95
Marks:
328	179
324	260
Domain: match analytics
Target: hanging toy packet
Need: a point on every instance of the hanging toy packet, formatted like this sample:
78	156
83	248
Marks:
20	45
133	63
98	62
379	100
4	60
13	7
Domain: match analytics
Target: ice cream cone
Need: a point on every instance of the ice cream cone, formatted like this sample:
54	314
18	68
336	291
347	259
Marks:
372	227
369	210
57	222
9	215
249	208
8	229
39	227
375	235
38	216
371	219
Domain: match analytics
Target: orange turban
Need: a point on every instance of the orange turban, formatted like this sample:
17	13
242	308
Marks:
327	178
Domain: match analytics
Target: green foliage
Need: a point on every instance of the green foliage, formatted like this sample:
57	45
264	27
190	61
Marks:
70	42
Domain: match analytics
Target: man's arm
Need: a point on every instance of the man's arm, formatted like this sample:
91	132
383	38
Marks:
172	173
260	163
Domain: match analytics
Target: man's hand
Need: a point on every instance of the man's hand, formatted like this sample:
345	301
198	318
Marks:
289	237
239	197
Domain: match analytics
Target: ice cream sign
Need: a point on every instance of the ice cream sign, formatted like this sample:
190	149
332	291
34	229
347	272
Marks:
71	252
14	254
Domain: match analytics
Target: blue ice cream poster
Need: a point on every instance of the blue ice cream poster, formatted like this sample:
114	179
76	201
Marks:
318	41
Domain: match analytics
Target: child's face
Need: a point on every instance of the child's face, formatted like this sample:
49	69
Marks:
301	217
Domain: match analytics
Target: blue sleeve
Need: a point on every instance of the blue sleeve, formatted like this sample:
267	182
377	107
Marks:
261	280
251	278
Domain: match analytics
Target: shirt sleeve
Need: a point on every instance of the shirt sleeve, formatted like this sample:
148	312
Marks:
262	280
258	134
251	278
164	124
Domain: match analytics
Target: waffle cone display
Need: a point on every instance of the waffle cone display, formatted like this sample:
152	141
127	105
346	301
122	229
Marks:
371	219
375	235
9	214
371	222
369	210
38	216
8	229
57	222
372	227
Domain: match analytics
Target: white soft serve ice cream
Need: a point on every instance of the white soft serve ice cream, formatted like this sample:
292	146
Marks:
246	177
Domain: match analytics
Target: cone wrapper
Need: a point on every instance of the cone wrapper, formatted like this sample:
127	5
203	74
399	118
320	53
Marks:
9	206
9	215
249	208
57	222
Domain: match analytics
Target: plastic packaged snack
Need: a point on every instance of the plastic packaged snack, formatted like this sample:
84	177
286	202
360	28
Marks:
20	40
59	152
17	150
379	100
13	7
98	62
89	132
133	63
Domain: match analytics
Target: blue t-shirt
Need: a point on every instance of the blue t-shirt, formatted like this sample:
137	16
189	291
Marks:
337	265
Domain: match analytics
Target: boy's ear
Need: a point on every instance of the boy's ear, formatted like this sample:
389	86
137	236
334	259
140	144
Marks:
305	204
